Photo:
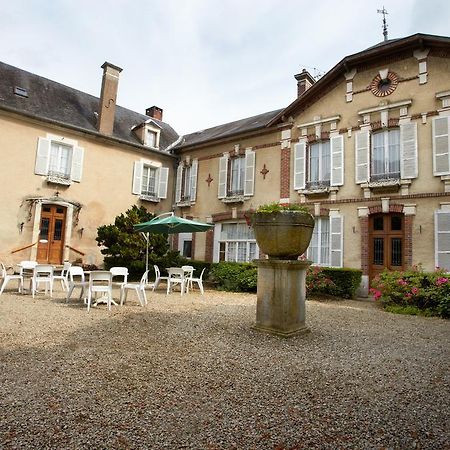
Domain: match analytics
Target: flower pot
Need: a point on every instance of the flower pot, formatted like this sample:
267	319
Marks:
283	234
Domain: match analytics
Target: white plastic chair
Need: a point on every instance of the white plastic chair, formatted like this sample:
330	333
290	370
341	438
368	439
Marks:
76	279
6	277
42	273
138	287
26	270
158	277
100	281
176	276
63	276
198	280
188	274
119	272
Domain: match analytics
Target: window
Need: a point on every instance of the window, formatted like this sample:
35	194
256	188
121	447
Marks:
185	244
441	146
150	180
236	176
442	237
186	185
237	243
151	138
59	159
385	156
319	165
319	247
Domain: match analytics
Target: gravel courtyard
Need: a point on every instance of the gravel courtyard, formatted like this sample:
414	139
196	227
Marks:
190	373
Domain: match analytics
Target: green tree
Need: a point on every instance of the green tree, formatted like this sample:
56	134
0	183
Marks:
122	246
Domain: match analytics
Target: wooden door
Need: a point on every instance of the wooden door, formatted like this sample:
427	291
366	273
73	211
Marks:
51	236
386	243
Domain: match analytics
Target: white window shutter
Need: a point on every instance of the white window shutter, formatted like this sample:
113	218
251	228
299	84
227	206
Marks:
223	169
137	177
77	164
249	185
42	156
408	150
163	181
337	160
442	239
362	150
441	146
336	240
193	180
299	165
178	183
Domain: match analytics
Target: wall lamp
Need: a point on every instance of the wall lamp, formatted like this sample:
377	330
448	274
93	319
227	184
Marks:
80	232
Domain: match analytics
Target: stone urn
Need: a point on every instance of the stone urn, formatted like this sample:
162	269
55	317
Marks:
283	234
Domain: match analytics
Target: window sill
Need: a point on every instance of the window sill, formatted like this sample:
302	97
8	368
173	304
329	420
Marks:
322	192
387	186
149	198
58	180
234	199
185	203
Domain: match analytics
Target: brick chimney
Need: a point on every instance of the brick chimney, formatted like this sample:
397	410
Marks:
155	112
108	96
304	82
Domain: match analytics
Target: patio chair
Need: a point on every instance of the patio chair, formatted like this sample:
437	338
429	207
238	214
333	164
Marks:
6	277
63	276
176	276
42	273
119	272
198	280
188	274
76	279
100	281
138	287
158	277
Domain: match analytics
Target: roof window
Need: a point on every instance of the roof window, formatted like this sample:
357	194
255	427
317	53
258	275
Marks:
20	91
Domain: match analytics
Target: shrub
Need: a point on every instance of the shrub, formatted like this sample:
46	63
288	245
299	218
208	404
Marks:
339	282
237	277
425	290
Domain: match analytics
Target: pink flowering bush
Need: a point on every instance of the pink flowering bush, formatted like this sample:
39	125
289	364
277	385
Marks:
425	290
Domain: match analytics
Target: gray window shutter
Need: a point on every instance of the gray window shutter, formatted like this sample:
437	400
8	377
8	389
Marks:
337	160
336	240
249	185
442	239
163	181
42	156
77	164
137	177
193	180
299	165
223	168
362	159
441	146
408	150
178	183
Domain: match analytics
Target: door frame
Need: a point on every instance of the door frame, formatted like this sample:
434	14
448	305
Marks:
37	224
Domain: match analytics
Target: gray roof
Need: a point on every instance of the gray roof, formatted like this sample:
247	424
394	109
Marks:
53	101
229	129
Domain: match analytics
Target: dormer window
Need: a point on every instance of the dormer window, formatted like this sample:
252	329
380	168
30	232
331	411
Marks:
148	133
150	138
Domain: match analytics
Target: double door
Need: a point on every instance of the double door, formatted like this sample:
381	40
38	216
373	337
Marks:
51	235
386	243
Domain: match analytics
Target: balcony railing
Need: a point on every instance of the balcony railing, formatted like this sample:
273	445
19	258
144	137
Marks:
57	177
321	185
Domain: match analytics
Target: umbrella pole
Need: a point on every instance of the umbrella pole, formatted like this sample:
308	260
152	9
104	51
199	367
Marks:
146	237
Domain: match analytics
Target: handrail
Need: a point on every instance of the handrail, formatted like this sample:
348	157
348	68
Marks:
75	250
23	248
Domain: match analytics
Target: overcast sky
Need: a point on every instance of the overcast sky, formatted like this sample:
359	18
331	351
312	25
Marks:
205	62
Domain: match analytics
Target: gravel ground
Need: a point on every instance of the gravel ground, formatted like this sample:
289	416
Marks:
190	373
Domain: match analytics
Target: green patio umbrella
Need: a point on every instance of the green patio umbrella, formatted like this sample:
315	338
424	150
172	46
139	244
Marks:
169	223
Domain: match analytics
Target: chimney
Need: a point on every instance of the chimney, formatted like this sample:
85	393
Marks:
107	107
155	112
304	82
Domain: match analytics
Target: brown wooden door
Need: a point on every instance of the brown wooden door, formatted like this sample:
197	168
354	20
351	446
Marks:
51	236
386	243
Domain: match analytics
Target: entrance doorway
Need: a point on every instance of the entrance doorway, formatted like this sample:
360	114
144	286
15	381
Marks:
51	235
386	243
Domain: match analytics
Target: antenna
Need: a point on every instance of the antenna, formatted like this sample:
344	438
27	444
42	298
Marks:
385	27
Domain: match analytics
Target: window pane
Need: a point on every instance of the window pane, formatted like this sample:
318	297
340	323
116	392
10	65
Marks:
326	161
314	158
394	153
378	154
187	249
57	235
396	223
325	241
378	223
231	251
396	251
44	229
378	251
187	183
60	159
242	251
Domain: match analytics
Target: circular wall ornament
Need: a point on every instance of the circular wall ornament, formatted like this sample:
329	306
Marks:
381	87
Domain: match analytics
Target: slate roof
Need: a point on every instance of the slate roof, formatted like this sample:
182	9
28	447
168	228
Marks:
228	129
49	100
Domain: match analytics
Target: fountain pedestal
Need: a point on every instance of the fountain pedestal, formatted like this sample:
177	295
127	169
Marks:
281	296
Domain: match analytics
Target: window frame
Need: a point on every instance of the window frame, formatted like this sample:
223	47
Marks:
320	237
240	182
146	192
223	245
386	149
321	181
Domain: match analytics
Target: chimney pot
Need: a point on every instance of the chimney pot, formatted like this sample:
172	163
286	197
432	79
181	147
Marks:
155	112
108	97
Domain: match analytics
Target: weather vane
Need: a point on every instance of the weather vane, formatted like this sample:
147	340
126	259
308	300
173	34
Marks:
385	27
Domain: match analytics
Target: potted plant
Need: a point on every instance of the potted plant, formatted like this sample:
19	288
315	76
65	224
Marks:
283	231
